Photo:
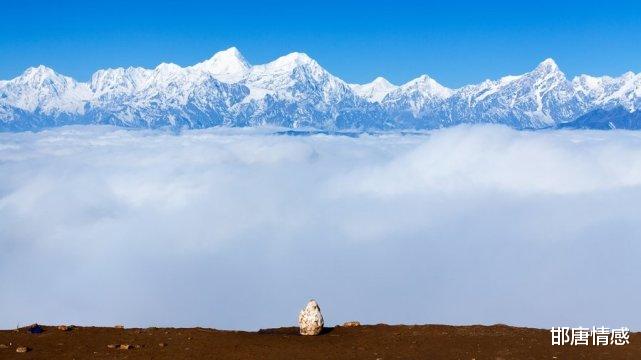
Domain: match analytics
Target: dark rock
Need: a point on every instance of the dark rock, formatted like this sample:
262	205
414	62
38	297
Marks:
36	329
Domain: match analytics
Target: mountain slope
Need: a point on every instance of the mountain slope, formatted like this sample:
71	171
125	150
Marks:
617	118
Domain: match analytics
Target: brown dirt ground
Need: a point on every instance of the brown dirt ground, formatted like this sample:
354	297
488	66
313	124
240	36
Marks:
364	342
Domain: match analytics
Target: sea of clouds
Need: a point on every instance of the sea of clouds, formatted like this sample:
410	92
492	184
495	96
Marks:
238	228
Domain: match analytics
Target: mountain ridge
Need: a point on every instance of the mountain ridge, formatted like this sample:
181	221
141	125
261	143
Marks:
296	91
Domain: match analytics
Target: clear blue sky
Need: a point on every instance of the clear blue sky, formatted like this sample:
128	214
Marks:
456	44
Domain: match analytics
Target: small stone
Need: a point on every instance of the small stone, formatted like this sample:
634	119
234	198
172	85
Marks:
36	329
352	324
112	346
310	319
125	347
22	349
64	327
3	346
162	344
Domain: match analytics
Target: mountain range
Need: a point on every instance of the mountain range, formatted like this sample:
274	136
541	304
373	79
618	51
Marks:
295	91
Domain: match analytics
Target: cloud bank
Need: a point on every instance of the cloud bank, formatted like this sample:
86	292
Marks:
239	228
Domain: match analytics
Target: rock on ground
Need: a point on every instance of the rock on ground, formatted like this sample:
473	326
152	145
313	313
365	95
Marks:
310	319
352	324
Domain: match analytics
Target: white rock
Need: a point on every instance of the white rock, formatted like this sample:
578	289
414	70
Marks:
310	319
351	324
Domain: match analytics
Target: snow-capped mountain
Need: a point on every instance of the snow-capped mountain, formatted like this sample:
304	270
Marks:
42	90
608	92
374	91
227	66
167	95
414	102
534	100
295	91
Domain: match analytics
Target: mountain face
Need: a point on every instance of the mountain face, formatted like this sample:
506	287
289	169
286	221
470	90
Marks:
534	100
295	91
617	118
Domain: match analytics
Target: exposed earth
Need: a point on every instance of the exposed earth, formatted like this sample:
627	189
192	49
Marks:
362	342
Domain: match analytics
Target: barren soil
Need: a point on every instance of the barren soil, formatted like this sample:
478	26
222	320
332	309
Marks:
363	342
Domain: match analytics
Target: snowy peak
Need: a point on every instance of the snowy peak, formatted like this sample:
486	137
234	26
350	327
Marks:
119	80
544	77
374	91
417	96
535	99
609	92
295	77
424	87
382	82
227	65
428	86
42	89
292	61
41	76
168	68
548	73
548	65
38	73
231	55
282	74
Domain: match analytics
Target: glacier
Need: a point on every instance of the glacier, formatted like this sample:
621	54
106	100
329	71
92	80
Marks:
295	91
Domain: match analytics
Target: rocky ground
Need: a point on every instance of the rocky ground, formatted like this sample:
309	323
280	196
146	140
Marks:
359	342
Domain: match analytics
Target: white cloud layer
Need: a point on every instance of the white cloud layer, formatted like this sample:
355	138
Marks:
238	228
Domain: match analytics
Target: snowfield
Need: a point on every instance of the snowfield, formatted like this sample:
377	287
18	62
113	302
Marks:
472	224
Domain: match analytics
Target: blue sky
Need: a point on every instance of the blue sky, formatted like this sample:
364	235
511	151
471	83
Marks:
357	41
